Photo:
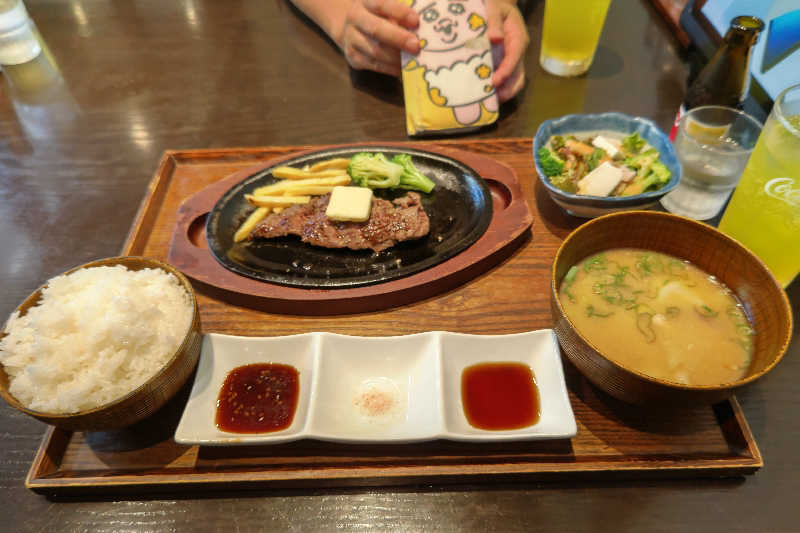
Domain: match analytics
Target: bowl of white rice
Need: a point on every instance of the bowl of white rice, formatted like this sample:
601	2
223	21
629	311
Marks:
101	346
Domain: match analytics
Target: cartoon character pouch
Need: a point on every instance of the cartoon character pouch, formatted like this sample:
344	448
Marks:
448	85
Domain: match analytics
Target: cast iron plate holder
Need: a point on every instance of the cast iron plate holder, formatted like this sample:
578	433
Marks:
509	219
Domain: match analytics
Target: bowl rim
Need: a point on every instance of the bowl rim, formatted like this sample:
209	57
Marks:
605	201
108	261
658	381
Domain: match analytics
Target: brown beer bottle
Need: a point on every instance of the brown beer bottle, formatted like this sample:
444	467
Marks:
725	80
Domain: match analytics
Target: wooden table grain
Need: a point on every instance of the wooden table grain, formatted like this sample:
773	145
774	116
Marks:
138	78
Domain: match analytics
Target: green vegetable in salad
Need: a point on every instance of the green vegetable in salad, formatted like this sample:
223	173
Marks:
642	161
557	142
633	143
593	160
650	173
551	165
564	182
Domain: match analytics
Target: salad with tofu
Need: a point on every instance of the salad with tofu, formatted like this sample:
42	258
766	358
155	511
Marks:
602	165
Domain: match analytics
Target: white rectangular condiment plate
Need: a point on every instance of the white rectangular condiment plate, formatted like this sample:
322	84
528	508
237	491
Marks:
378	389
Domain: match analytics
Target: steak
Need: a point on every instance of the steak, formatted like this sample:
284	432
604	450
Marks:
389	223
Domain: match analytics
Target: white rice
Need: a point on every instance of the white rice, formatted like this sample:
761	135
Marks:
96	335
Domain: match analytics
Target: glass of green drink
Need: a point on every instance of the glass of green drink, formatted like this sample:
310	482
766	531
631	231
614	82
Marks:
764	212
570	34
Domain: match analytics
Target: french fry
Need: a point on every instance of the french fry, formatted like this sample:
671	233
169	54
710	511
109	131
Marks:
311	190
340	162
277	201
290	173
248	225
297	187
284	186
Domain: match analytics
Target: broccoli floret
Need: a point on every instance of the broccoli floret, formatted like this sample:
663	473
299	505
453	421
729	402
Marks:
639	185
412	178
661	171
633	143
657	177
374	171
642	162
551	165
650	172
377	172
635	160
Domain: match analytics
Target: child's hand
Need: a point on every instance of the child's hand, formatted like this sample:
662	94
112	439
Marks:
507	26
374	33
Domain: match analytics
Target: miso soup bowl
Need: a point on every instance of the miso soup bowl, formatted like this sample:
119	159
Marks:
761	295
148	397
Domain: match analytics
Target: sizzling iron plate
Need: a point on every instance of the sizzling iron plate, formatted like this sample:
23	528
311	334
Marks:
459	208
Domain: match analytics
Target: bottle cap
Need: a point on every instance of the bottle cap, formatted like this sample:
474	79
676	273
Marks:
747	23
13	18
18	42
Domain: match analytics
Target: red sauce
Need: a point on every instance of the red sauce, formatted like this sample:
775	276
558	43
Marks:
258	398
499	396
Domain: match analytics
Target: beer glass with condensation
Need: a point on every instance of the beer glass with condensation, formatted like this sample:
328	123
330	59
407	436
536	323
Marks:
570	34
764	212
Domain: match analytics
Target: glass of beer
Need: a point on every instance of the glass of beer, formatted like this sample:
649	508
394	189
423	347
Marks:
764	212
570	35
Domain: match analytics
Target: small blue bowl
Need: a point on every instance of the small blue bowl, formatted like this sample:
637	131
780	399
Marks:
594	206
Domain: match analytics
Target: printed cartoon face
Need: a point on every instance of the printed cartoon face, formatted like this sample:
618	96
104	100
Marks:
448	24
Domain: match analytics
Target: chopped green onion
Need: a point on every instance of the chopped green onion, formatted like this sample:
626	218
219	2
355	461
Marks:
569	279
591	311
597	262
706	311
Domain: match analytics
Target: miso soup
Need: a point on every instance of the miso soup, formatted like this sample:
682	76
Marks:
659	315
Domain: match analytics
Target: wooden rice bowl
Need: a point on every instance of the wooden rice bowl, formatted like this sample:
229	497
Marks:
150	396
762	296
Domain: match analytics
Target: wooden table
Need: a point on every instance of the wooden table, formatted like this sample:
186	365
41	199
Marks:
141	78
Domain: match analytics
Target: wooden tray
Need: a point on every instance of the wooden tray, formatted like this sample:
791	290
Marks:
613	441
510	218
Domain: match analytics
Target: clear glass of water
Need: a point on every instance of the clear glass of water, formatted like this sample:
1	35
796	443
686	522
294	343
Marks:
713	145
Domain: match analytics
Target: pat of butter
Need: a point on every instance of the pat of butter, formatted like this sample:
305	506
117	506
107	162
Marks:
600	181
349	204
606	144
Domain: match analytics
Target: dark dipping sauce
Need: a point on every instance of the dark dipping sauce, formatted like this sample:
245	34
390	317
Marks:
499	396
258	398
